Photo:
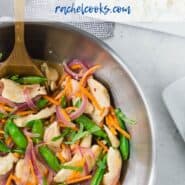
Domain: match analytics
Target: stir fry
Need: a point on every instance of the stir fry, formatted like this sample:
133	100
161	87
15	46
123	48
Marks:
60	129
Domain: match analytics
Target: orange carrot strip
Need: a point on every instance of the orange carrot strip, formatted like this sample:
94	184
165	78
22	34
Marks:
115	124
69	109
17	155
15	179
6	108
88	73
8	141
66	126
8	182
91	97
80	179
65	115
107	121
76	66
24	113
51	100
102	145
61	158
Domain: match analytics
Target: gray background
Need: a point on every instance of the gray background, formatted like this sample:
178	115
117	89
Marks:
156	60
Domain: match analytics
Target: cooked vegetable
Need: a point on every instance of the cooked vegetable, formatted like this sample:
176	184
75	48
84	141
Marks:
38	128
60	129
101	167
124	142
90	126
4	148
49	158
29	79
16	134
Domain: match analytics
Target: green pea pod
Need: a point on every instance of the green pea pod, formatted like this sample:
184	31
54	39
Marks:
49	158
38	128
41	103
90	125
124	142
100	171
63	102
16	134
4	148
31	80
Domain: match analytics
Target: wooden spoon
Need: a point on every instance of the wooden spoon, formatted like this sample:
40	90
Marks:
19	61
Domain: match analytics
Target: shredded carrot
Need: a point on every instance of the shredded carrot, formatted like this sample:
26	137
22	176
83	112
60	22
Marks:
1	132
102	145
62	78
69	109
6	108
14	178
8	141
76	66
80	179
60	94
16	155
88	73
65	115
68	88
112	129
91	97
67	126
115	124
52	118
51	100
61	158
24	113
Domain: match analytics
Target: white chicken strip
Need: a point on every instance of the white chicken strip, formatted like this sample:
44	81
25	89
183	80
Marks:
44	113
15	92
102	97
24	173
6	163
114	163
64	174
113	139
86	141
50	132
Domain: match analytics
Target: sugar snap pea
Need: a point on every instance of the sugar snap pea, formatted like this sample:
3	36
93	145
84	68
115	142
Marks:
38	128
90	125
29	79
98	176
49	158
4	148
16	134
124	142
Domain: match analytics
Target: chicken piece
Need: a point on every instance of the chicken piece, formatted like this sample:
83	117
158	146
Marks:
114	163
44	113
15	92
64	174
23	172
51	132
6	163
102	97
86	141
51	74
113	139
75	88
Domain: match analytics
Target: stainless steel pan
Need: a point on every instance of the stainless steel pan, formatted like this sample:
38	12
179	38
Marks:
57	41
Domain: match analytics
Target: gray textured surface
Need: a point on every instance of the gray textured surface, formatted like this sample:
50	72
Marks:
156	60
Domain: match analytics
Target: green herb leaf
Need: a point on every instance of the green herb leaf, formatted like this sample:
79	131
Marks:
124	118
74	168
41	103
78	102
63	102
65	132
4	148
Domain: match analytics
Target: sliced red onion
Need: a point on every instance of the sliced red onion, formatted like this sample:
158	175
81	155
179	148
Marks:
80	110
35	167
7	101
50	177
75	75
28	99
62	119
